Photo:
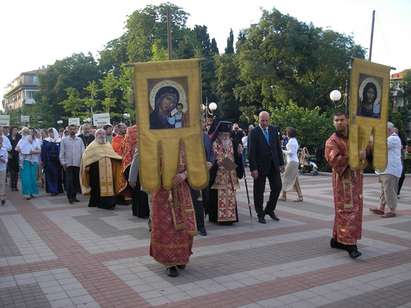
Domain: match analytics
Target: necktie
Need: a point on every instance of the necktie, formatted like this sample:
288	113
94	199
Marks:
267	137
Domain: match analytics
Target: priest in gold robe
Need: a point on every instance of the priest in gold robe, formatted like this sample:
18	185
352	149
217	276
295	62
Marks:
100	172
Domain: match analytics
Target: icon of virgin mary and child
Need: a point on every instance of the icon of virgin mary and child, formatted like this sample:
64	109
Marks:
168	108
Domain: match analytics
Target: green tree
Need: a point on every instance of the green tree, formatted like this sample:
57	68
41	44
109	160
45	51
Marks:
75	72
158	53
313	126
114	55
203	48
109	86
125	83
281	58
214	48
227	79
149	25
92	90
72	104
230	43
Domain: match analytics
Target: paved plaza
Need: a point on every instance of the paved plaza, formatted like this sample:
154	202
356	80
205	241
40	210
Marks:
54	254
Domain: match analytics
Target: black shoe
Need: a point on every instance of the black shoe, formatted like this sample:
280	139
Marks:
202	232
273	216
335	244
71	201
3	202
182	266
354	254
172	271
353	251
261	220
76	200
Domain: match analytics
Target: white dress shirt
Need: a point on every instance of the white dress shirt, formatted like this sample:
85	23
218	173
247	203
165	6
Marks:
394	164
36	158
292	150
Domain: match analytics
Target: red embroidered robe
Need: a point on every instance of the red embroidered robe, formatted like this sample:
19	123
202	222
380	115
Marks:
347	190
226	182
173	224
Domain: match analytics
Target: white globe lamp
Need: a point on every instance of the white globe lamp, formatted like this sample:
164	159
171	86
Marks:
335	95
212	106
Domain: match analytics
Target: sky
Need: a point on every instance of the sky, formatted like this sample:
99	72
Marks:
37	33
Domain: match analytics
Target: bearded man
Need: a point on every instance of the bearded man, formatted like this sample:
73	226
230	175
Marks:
100	172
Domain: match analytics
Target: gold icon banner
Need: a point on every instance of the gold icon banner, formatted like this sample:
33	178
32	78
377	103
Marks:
369	90
168	100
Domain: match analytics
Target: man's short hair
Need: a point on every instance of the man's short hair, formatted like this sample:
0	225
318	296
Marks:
107	126
340	113
72	125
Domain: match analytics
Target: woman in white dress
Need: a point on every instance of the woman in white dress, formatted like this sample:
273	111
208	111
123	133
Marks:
290	175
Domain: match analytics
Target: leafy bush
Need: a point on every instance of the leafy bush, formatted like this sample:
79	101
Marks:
313	126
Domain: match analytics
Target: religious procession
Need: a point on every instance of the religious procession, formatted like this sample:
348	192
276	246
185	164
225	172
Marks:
162	171
174	167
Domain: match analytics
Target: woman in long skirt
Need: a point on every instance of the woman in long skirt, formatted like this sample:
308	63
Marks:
50	158
290	175
28	149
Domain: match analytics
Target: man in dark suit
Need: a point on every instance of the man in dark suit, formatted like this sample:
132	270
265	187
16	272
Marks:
266	161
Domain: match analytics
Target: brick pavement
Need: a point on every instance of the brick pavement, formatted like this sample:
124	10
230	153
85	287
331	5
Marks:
53	254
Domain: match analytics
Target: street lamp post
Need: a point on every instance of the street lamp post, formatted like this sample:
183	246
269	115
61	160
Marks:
208	109
212	107
335	96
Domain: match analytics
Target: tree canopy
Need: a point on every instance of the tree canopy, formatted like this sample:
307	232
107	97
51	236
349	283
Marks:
275	61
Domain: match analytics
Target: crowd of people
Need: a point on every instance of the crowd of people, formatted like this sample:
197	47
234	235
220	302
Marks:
104	164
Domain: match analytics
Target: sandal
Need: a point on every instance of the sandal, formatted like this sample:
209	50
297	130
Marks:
282	199
377	211
300	199
389	215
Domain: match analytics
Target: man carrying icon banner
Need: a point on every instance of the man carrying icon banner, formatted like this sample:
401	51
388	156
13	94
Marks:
347	150
171	154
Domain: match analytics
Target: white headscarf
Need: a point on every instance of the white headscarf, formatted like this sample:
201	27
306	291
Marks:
25	145
56	138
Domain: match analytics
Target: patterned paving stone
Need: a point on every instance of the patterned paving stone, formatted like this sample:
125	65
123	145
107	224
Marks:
7	208
7	246
385	288
238	261
402	226
54	254
31	248
311	206
29	295
54	288
103	229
